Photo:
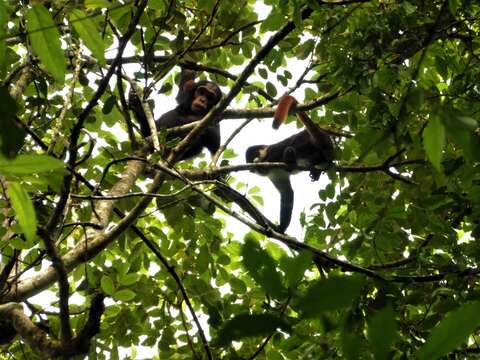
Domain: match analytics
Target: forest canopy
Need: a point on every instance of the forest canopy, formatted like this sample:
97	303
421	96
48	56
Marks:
114	244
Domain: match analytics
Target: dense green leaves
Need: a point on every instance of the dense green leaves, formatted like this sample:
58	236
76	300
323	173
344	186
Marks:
248	325
451	331
330	294
46	41
294	268
402	199
262	268
382	332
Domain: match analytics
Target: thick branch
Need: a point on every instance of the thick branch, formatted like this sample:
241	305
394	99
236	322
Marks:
38	340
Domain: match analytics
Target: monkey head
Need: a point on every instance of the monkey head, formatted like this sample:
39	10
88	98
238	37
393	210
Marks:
255	154
203	96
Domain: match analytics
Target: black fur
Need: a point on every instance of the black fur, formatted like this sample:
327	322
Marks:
182	115
300	149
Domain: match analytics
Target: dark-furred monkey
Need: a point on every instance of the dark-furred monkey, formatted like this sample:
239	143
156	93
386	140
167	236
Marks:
195	99
309	148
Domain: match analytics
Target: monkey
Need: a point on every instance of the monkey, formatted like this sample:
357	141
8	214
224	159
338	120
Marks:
309	147
195	100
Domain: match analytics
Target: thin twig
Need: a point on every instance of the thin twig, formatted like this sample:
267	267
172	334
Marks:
229	140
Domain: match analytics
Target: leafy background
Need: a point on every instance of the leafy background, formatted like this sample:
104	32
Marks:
386	266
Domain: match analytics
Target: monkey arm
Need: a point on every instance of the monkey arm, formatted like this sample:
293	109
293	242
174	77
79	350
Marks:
281	180
135	105
187	79
318	137
211	138
169	119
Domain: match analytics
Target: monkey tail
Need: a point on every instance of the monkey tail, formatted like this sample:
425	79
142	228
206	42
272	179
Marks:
285	104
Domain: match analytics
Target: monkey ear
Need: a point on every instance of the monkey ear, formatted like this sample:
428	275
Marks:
188	86
285	104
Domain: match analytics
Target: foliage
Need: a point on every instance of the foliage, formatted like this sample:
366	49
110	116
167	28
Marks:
387	266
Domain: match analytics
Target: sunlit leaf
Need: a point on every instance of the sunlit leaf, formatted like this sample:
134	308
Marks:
433	141
95	4
24	210
45	40
107	285
87	29
124	295
27	164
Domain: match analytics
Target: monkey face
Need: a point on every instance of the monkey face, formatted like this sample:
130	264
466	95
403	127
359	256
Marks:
256	153
204	98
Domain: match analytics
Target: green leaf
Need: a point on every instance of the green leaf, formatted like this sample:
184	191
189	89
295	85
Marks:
262	268
271	89
351	344
263	73
295	267
24	210
382	332
330	294
158	5
453	6
96	4
272	22
88	31
28	164
306	49
124	295
250	325
107	285
45	40
109	103
433	141
452	331
467	123
167	339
